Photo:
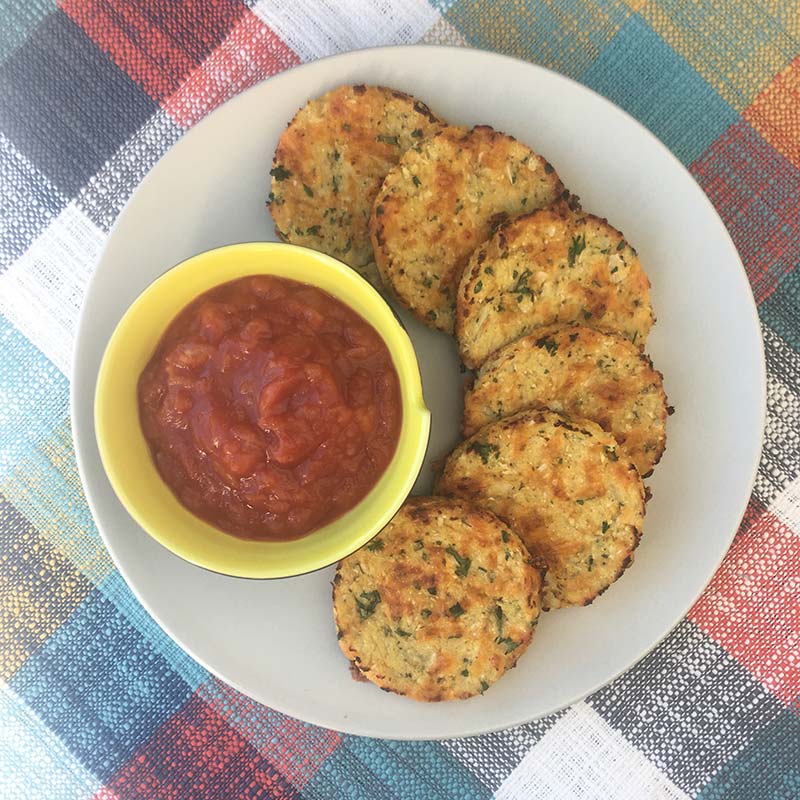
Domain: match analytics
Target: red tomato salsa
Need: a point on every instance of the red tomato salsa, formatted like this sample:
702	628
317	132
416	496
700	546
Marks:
270	407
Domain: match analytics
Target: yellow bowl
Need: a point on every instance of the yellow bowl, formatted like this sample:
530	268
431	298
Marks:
126	456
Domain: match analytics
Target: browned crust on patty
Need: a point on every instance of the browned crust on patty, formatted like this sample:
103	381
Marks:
440	604
442	200
580	372
331	160
553	266
564	485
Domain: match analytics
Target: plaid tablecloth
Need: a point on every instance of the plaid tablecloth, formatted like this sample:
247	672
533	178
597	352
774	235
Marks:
95	700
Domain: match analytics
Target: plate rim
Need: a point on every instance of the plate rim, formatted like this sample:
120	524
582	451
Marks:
79	434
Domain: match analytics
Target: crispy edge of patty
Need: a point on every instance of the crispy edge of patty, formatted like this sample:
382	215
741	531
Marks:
480	547
311	197
428	290
494	309
499	389
500	493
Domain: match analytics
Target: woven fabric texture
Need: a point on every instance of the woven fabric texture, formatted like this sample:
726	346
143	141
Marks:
95	700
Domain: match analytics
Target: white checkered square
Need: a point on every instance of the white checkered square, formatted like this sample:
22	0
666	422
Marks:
316	29
583	756
41	293
780	459
107	192
688	706
786	507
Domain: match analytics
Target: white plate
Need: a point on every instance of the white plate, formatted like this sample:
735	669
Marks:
275	640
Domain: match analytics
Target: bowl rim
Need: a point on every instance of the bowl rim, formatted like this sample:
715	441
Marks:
402	470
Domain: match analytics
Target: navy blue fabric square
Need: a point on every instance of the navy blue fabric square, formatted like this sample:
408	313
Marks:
50	585
65	105
101	686
28	203
688	706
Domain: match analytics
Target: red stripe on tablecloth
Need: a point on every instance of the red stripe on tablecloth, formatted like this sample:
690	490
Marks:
752	606
756	191
296	748
250	53
158	43
196	754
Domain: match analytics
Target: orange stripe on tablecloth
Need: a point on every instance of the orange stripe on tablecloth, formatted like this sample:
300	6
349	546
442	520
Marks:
775	112
45	488
39	590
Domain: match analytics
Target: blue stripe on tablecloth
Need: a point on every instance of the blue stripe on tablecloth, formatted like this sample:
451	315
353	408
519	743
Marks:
31	388
100	685
646	77
781	310
34	763
116	590
68	133
442	5
19	21
378	769
768	768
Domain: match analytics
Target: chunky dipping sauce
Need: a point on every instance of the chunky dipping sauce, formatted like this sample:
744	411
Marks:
270	407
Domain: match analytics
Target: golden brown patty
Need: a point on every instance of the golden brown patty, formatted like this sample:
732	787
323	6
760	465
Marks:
331	160
580	372
565	487
440	604
550	267
441	201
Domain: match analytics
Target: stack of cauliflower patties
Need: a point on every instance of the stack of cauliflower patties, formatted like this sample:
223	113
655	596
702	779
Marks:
565	414
542	505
